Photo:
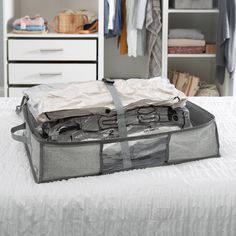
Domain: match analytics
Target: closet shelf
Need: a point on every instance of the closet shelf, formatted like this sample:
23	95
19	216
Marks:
52	35
176	11
191	55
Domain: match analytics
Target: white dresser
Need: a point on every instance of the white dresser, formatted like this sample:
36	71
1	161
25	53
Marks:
50	58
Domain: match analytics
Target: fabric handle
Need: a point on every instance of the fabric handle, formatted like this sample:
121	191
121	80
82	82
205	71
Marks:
19	138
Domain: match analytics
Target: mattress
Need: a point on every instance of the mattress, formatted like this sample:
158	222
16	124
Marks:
195	198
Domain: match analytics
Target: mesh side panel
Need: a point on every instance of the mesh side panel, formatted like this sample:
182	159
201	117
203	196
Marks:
68	161
145	153
35	156
34	151
194	144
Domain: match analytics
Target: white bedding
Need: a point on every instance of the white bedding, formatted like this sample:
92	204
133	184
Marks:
197	198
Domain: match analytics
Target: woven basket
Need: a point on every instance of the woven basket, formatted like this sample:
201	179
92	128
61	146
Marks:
188	84
69	23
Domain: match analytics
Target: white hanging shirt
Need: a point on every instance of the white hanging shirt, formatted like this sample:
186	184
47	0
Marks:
112	12
139	24
140	14
136	33
131	29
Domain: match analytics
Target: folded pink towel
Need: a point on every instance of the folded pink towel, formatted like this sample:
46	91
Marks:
186	43
186	50
29	21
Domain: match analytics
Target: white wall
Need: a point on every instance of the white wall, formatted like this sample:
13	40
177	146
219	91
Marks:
118	66
1	51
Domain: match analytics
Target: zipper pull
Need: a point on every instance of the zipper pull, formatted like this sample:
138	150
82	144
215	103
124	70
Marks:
23	102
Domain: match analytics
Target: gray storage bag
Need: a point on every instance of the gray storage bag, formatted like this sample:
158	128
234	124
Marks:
52	161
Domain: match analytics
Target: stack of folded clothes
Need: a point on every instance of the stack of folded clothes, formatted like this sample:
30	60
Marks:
85	111
186	41
30	25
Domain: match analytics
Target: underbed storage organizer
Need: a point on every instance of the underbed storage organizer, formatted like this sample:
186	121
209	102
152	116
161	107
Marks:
195	138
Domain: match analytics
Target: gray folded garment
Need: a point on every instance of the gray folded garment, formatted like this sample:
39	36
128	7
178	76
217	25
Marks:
106	126
186	34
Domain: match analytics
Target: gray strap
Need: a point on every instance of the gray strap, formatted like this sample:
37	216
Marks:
20	138
121	123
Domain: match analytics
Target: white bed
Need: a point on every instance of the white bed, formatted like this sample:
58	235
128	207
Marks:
197	198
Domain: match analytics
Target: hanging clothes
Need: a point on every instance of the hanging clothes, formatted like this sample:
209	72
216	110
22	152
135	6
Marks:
118	23
112	12
131	29
226	40
141	42
106	17
139	20
140	14
154	41
113	18
136	32
122	41
129	22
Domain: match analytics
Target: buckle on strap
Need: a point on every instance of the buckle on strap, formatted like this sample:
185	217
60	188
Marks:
108	81
23	102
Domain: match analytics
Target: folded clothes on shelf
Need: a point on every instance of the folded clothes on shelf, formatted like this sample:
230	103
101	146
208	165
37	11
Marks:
186	43
30	25
28	21
186	34
29	32
186	50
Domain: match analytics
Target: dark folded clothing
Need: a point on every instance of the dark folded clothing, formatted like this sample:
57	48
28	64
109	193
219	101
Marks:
89	26
106	126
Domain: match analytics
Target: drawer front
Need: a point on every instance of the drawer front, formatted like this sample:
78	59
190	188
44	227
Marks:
52	50
50	73
16	92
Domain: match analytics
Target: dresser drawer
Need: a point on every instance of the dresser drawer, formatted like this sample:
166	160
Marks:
50	73
52	50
